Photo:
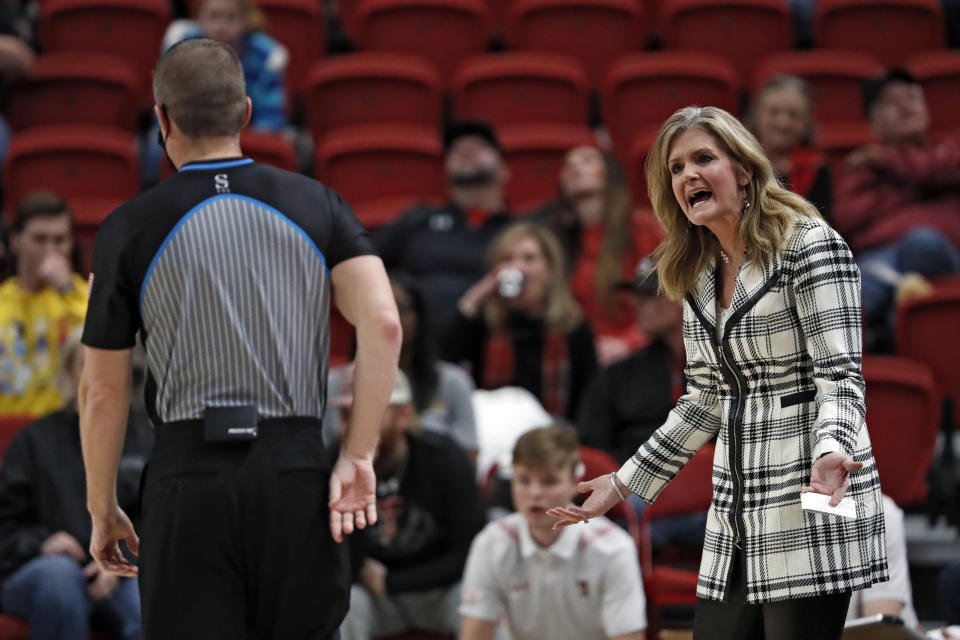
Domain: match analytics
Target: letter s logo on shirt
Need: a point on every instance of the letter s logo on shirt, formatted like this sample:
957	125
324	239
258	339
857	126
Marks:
222	183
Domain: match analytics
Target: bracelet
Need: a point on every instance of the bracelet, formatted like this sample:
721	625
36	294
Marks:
616	487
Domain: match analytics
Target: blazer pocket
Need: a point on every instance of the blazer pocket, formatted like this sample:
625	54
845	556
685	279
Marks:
799	397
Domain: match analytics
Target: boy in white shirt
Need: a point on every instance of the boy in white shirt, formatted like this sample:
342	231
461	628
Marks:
576	583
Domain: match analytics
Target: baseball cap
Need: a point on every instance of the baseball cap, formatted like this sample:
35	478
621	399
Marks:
459	128
400	394
645	280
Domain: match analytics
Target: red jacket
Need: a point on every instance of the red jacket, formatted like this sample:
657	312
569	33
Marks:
886	191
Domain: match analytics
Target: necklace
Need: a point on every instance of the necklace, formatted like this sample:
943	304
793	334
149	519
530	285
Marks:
724	256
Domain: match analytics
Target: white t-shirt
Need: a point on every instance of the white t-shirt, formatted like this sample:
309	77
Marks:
585	586
898	587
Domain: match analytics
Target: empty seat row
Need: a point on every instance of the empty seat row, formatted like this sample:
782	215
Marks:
637	93
448	31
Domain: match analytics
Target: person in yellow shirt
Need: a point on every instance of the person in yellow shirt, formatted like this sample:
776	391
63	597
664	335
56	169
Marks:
39	305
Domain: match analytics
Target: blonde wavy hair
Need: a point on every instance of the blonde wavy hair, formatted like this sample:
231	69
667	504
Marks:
688	249
561	309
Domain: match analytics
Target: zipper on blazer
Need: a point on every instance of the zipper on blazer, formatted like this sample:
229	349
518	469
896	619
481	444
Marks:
734	444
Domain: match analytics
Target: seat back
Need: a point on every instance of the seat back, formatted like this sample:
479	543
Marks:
373	162
939	75
88	89
595	32
521	88
835	79
903	420
372	88
132	29
78	162
298	26
534	155
641	90
925	330
444	31
889	30
744	31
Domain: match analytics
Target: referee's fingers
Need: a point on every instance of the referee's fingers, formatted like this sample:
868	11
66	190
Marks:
347	522
372	513
336	490
360	517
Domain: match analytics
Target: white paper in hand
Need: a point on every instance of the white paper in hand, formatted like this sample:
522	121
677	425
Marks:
820	503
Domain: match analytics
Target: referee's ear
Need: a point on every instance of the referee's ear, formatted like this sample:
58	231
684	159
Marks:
246	117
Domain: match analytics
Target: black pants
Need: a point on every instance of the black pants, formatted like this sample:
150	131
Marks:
236	537
813	618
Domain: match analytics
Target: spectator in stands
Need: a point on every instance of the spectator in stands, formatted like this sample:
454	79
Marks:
39	305
894	597
46	573
521	326
16	59
441	391
240	23
627	401
603	240
782	119
576	583
898	202
409	564
443	247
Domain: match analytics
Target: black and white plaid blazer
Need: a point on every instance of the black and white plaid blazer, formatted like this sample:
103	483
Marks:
781	388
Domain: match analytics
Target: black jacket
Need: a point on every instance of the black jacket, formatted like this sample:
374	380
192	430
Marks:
627	401
438	247
43	486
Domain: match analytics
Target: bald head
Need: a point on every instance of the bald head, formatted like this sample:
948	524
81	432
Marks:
199	82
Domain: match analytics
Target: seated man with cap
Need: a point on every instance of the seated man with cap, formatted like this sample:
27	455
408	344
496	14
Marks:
444	247
407	567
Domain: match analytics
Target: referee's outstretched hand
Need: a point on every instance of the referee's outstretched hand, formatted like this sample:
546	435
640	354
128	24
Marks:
353	495
105	539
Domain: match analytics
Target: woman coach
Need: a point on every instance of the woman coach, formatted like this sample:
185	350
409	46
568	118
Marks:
772	333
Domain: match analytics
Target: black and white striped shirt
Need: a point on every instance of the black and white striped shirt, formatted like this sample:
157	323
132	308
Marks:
225	269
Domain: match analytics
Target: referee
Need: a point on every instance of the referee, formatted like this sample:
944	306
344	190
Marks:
226	269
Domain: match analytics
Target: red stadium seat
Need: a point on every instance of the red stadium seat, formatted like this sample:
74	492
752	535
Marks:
635	167
347	15
132	29
534	155
93	168
445	31
835	79
889	30
593	31
521	88
90	89
903	419
376	213
939	74
12	628
925	327
372	162
298	26
745	31
690	491
837	140
372	88
642	90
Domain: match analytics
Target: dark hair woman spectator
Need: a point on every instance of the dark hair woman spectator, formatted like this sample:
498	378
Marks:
782	119
441	391
520	324
603	240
